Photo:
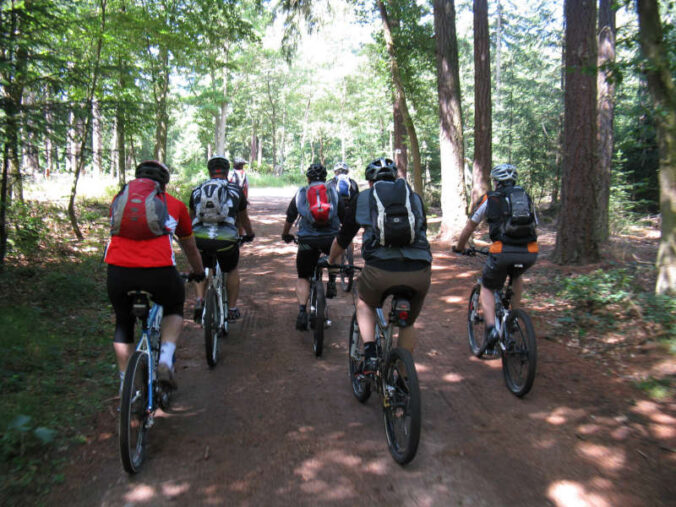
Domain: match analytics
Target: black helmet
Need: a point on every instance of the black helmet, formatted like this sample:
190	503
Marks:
218	165
316	172
153	170
381	169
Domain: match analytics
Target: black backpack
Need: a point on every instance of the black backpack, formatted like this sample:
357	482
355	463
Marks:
392	217
516	222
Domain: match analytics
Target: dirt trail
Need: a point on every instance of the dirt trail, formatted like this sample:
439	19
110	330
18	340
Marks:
272	425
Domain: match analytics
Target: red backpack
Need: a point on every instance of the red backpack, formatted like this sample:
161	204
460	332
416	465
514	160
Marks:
139	211
319	204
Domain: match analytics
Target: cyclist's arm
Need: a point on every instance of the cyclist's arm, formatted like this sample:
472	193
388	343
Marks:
291	215
192	253
464	236
243	219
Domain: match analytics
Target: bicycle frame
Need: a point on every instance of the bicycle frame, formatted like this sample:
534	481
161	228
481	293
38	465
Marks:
215	279
149	343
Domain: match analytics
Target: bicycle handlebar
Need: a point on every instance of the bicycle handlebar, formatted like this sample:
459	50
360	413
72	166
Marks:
472	251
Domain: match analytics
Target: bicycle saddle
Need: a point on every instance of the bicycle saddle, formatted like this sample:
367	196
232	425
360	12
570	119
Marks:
401	304
140	302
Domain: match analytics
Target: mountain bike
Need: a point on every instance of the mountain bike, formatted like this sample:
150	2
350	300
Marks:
516	344
396	379
215	313
318	312
142	393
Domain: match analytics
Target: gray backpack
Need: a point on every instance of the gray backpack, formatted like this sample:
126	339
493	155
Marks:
216	202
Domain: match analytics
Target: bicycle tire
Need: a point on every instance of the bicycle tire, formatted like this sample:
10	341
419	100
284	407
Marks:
226	307
519	361
401	406
319	318
347	279
211	327
133	412
361	388
476	327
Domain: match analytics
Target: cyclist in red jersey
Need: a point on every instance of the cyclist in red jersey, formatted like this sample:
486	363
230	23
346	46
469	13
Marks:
149	265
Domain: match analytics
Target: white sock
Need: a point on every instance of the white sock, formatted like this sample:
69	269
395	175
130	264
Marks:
167	353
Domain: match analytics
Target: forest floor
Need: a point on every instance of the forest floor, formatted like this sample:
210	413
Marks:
273	425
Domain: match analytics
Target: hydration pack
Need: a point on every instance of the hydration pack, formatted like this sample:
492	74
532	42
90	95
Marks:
139	211
392	216
215	202
517	222
320	209
343	185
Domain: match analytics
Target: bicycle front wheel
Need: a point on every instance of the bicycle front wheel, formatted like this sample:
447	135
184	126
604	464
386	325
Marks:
319	319
211	328
475	321
133	412
361	388
519	360
346	279
401	406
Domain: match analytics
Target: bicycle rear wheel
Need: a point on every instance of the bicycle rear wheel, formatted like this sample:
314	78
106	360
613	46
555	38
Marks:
133	412
361	388
319	318
211	327
401	406
520	359
476	327
346	279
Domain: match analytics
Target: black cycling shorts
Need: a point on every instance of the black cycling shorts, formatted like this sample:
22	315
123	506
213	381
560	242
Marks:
227	253
498	266
308	254
163	283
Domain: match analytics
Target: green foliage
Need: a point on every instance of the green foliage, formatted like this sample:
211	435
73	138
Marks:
599	288
28	227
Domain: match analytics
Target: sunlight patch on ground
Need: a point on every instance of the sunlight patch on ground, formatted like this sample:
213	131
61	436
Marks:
453	378
171	490
604	457
454	299
560	415
421	367
140	493
378	467
568	493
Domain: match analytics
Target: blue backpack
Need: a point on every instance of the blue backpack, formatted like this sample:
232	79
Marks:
343	185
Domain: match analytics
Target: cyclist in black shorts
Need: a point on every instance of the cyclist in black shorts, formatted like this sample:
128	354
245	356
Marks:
218	209
314	235
513	243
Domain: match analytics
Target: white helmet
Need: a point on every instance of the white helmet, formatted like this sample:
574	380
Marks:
239	161
341	168
503	173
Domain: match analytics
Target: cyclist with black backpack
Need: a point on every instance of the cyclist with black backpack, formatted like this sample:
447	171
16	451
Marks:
140	257
218	209
511	221
321	211
395	250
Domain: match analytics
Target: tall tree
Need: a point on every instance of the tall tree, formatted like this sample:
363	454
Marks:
576	242
481	168
400	97
606	106
663	92
450	121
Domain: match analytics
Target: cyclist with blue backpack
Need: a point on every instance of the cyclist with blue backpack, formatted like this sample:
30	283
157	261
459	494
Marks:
218	208
321	211
511	221
341	181
395	250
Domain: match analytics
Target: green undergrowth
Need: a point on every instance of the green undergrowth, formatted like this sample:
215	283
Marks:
614	312
57	367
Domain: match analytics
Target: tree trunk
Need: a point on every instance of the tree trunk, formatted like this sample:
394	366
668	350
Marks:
400	96
161	89
304	134
482	104
222	120
498	56
576	242
450	121
606	105
663	92
253	147
400	150
273	121
3	206
97	138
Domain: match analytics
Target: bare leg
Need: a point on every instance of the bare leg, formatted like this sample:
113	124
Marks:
302	290
517	289
488	306
232	284
123	352
171	328
366	318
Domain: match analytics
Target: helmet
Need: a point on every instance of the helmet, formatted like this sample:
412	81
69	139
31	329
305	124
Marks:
316	172
503	173
153	170
218	165
381	169
238	161
341	168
